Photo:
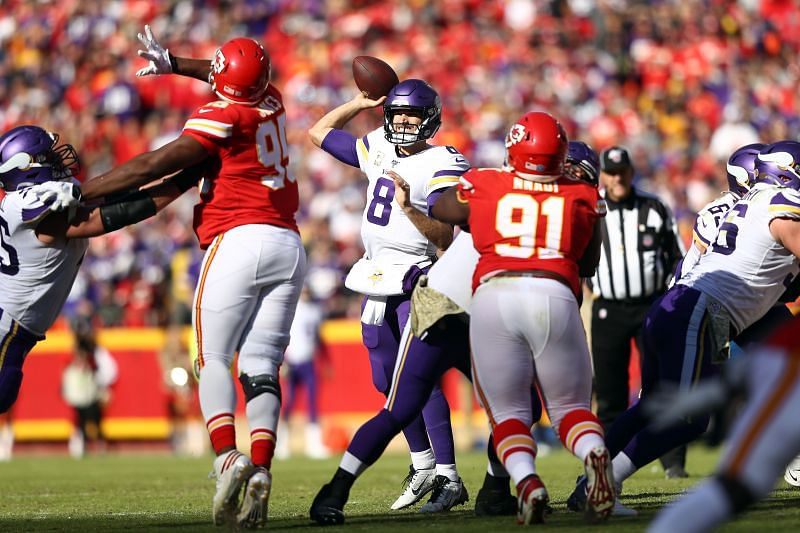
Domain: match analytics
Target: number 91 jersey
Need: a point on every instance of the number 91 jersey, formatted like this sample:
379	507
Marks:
252	184
519	225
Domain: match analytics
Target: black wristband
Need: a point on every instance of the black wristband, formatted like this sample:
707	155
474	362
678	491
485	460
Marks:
172	63
135	207
185	179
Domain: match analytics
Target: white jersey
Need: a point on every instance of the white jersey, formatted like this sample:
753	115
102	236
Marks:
744	268
304	333
705	230
35	278
386	231
451	275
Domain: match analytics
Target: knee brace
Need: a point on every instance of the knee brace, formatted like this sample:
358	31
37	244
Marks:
257	385
738	494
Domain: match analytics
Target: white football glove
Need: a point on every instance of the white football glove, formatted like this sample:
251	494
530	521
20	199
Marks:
157	55
58	195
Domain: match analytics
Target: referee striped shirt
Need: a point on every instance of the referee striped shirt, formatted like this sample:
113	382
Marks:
640	249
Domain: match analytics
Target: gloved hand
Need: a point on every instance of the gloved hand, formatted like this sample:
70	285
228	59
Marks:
57	195
411	278
155	53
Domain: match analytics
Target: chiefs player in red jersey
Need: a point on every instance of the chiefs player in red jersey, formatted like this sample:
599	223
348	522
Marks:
254	265
536	232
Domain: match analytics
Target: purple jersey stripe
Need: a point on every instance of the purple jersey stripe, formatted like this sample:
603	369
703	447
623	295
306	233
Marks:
449	172
780	199
365	141
30	215
342	145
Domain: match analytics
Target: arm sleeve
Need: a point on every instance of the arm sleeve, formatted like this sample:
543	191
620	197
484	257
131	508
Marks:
343	146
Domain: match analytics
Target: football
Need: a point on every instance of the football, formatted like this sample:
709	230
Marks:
373	76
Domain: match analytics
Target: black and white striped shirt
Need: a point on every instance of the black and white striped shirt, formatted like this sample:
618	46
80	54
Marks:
640	249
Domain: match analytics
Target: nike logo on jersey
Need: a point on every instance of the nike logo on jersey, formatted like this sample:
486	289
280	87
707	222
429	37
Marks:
204	110
460	160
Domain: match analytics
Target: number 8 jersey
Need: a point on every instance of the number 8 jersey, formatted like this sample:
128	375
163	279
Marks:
253	184
520	225
743	267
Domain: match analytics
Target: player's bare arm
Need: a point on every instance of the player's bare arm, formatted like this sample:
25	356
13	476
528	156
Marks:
587	264
450	208
439	233
338	117
786	231
181	153
135	207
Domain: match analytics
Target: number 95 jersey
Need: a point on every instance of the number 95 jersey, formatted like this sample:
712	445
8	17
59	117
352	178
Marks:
253	184
518	224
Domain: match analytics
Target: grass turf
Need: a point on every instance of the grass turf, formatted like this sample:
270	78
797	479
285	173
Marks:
161	493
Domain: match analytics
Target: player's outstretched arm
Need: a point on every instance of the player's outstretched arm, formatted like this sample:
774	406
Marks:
132	208
449	208
338	117
181	153
162	62
787	232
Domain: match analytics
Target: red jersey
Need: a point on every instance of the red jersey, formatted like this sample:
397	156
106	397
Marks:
518	224
253	184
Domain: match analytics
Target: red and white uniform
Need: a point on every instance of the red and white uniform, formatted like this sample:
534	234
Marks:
526	225
526	327
254	265
253	182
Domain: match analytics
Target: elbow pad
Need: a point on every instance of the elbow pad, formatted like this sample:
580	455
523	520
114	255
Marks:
135	207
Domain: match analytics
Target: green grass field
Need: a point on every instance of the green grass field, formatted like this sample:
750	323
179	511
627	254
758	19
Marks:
159	493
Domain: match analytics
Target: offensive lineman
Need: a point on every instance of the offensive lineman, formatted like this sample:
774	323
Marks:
254	265
405	176
44	235
537	233
747	267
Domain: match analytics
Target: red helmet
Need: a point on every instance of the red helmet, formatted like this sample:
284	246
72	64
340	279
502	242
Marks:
240	71
536	147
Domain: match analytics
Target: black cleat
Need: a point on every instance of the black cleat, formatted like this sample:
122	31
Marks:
327	508
577	500
495	498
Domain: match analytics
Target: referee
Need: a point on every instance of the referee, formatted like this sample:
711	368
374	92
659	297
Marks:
639	253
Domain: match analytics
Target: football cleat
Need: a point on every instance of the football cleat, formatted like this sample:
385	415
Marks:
327	509
231	469
495	498
792	473
577	500
446	494
417	484
255	505
600	490
532	500
676	472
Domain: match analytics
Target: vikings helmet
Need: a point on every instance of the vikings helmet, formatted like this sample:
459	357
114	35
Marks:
741	168
583	162
30	155
779	164
536	147
416	96
240	71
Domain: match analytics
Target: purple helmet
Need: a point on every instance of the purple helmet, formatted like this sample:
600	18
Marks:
583	163
779	164
741	168
418	97
29	155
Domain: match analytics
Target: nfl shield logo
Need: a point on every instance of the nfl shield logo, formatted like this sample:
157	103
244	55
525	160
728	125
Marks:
647	241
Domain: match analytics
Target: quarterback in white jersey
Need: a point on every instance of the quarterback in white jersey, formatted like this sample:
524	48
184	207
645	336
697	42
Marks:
405	176
43	237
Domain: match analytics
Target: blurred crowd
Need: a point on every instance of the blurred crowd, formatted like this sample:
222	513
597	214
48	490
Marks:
680	82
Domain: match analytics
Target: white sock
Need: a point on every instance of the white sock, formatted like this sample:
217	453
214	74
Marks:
587	443
423	460
351	463
701	510
520	465
623	467
216	391
448	471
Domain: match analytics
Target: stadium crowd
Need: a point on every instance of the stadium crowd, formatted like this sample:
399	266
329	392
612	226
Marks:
681	83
